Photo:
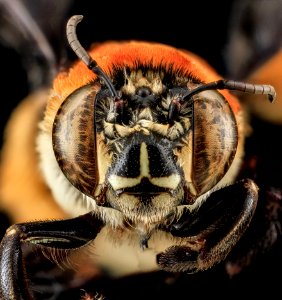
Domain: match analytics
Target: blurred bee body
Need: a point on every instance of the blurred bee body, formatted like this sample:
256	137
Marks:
138	154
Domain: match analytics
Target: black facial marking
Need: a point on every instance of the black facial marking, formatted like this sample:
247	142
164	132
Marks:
128	164
160	158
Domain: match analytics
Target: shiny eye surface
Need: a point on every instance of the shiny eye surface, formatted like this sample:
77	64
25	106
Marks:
215	140
74	140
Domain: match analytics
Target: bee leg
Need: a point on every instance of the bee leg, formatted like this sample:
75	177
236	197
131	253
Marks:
209	233
263	233
60	234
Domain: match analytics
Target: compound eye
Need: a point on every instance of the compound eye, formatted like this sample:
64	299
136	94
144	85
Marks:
74	139
215	139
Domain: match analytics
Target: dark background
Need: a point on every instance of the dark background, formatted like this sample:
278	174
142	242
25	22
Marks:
211	29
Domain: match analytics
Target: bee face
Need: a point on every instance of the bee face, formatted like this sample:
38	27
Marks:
143	150
144	180
136	154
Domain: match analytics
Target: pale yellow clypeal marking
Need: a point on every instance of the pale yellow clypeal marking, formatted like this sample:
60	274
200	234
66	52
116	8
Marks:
144	161
119	182
170	182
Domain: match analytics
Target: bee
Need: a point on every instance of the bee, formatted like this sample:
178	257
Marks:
140	145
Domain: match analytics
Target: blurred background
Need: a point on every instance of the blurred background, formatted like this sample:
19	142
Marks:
236	37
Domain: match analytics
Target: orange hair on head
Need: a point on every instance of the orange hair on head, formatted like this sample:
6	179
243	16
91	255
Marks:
119	54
